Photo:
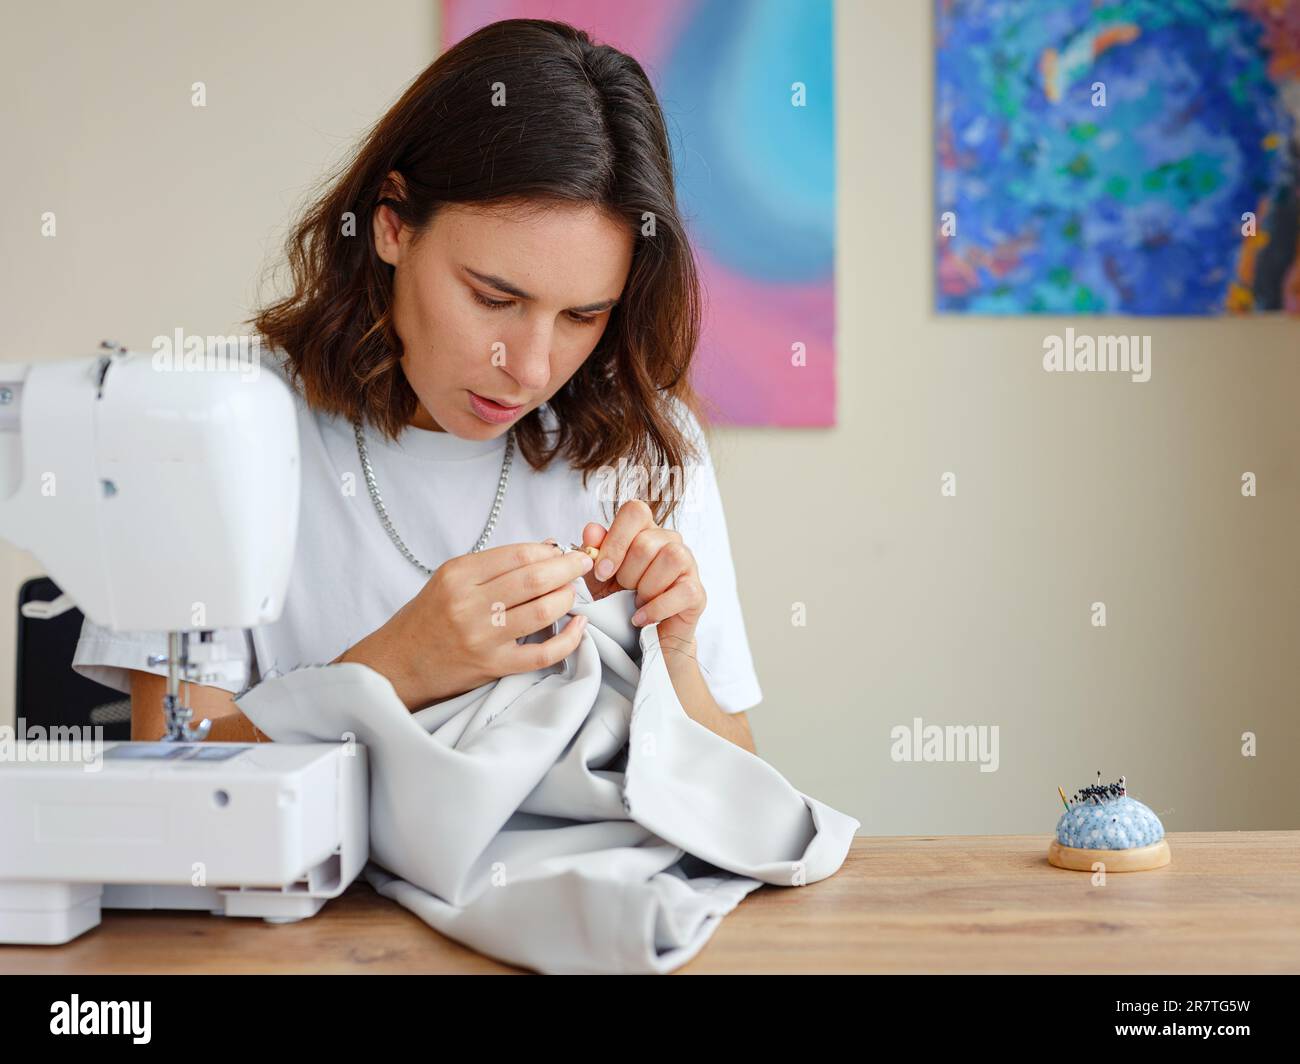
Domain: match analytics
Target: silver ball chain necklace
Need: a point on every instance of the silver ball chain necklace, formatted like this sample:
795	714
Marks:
369	473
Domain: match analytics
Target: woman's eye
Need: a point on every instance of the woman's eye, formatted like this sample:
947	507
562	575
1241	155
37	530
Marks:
494	304
499	304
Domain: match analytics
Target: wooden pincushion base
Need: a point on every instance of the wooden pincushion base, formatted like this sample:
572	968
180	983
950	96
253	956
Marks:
1137	859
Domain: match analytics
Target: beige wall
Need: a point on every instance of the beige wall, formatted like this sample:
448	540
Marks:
967	610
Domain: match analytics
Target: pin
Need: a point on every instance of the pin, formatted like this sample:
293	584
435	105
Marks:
1062	794
1098	793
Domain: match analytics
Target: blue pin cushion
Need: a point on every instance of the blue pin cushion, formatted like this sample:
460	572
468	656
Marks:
1105	825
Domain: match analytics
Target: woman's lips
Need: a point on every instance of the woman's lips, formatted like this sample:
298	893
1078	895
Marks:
491	411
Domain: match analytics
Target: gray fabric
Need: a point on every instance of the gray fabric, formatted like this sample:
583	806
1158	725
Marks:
567	821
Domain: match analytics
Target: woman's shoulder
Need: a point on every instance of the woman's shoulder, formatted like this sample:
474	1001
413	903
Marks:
694	431
276	360
687	420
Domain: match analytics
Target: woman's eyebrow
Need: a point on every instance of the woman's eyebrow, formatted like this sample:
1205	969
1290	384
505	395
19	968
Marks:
502	285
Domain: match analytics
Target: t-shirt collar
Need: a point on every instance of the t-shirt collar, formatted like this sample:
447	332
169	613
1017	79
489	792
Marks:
424	443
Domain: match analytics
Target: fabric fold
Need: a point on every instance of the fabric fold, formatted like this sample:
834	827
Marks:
567	820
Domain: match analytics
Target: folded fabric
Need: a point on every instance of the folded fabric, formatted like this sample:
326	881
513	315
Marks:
570	819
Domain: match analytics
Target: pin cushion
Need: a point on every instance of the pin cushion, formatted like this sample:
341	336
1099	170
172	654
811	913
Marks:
1104	824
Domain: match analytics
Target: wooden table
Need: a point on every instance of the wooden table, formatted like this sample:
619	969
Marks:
1228	902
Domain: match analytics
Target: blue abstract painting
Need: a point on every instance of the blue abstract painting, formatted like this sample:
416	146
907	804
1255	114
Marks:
1128	157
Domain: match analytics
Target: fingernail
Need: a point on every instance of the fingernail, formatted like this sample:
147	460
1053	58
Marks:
638	618
587	563
604	569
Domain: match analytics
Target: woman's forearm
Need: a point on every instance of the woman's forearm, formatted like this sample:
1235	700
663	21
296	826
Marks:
234	728
696	698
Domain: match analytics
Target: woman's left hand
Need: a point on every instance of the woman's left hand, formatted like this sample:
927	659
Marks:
636	553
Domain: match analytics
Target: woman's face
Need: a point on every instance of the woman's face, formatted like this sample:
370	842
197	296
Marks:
552	278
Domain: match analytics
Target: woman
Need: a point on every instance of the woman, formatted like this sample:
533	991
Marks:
500	272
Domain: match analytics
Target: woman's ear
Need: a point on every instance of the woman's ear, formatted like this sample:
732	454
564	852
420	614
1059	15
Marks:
389	231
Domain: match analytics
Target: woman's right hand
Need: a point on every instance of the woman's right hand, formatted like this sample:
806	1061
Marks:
461	630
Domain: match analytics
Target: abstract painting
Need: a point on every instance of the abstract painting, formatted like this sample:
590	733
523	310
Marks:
747	91
1127	157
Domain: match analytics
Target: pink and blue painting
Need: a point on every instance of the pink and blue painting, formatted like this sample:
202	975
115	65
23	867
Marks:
1122	157
747	92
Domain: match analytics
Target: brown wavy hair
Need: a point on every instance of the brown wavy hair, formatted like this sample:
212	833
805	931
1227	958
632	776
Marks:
583	126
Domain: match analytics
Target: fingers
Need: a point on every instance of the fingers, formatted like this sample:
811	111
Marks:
633	517
672	561
681	596
593	534
533	615
537	579
650	544
526	657
497	561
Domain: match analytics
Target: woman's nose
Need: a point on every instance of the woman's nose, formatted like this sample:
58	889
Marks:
529	359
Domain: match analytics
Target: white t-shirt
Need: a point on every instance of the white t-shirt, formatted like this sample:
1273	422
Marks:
349	578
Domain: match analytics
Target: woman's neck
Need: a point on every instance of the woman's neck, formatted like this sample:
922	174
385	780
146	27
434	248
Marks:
423	420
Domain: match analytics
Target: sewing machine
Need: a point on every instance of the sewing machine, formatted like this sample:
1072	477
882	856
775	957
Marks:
163	497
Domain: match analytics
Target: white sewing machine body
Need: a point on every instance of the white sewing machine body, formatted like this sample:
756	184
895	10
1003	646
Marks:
264	830
164	496
153	495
